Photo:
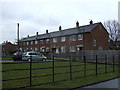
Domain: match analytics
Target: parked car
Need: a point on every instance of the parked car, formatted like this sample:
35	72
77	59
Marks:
34	56
17	56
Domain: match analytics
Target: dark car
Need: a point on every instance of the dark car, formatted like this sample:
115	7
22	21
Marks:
17	56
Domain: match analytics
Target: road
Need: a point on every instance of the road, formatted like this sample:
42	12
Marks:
107	84
6	60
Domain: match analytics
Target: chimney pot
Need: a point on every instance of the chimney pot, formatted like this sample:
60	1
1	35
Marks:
60	28
28	35
91	22
77	24
37	33
46	31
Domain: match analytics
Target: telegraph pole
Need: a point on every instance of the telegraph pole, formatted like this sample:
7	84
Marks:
18	36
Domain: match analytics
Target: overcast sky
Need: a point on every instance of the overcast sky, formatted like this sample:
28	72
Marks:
37	16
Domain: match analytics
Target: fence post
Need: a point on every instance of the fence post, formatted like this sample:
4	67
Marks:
113	63
96	65
30	71
53	69
70	68
105	63
84	66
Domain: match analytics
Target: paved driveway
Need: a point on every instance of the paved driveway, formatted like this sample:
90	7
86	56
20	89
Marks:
108	84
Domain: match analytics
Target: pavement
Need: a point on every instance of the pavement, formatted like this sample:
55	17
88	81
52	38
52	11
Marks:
107	84
6	60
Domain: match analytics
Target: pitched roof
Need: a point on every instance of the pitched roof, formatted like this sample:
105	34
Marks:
70	31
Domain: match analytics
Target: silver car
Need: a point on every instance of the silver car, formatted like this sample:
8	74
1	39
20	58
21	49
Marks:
34	56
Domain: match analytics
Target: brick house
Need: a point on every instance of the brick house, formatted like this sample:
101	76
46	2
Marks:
87	37
8	48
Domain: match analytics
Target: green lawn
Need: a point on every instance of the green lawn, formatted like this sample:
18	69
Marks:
75	82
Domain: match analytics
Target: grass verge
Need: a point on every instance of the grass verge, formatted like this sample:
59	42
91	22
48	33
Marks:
61	71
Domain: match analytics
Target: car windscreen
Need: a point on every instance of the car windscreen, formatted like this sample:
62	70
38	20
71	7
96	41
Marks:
24	53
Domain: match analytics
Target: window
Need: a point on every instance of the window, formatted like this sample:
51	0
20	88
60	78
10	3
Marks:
73	37
36	42
54	40
42	49
27	43
31	42
79	47
47	49
36	49
94	42
72	49
62	49
31	49
80	36
47	41
23	43
41	41
26	49
63	39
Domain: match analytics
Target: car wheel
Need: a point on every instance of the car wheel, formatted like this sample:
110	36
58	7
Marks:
43	59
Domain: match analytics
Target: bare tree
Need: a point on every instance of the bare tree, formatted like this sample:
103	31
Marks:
112	27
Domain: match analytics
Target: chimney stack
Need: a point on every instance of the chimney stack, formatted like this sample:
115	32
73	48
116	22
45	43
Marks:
37	33
60	28
46	31
91	22
77	24
28	36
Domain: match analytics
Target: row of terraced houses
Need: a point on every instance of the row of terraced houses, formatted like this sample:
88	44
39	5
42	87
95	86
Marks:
87	37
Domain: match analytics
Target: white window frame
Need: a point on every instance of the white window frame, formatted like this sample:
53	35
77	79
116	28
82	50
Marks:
63	49
73	38
42	49
54	40
72	48
47	49
42	41
31	42
63	39
27	43
23	43
94	42
36	42
47	41
36	48
80	36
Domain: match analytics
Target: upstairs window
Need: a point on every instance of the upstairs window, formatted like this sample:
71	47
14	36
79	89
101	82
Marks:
80	36
41	41
63	39
54	40
36	42
27	43
47	41
73	37
31	42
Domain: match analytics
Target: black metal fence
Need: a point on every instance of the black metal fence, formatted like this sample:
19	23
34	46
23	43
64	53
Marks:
55	70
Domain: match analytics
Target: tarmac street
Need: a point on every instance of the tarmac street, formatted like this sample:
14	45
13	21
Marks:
107	84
